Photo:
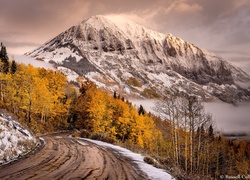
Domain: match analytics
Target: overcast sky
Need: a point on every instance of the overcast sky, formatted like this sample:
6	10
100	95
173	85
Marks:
222	26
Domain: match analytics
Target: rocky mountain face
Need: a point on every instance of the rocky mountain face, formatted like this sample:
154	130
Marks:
122	56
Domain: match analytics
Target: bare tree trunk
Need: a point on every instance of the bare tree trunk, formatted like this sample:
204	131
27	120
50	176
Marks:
191	151
207	164
173	139
1	91
198	152
176	146
186	145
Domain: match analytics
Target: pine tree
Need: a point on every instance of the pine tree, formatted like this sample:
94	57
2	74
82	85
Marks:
13	67
141	110
115	96
4	58
211	133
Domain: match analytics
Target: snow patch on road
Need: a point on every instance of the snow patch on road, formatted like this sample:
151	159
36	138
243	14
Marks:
58	137
152	172
83	143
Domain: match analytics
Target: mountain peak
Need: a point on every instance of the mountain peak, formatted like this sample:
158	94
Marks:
113	18
117	23
129	54
98	22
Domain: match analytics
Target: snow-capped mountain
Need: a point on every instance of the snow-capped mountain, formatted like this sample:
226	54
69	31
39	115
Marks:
120	55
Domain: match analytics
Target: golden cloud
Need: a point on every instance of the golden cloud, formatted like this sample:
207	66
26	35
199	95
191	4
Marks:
188	8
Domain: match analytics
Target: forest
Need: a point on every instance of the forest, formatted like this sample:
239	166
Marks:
183	141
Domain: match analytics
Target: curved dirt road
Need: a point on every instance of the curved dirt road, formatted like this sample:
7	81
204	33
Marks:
64	158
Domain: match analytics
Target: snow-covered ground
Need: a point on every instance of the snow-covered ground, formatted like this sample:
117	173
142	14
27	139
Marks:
14	139
147	104
37	63
71	75
152	172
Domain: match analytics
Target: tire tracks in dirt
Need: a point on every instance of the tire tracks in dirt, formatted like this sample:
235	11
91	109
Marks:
63	157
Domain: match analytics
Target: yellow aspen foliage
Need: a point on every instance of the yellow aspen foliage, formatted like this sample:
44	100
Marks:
149	133
133	135
101	113
4	80
43	104
242	162
37	96
121	119
139	140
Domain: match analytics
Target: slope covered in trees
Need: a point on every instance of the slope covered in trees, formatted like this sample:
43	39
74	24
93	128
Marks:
39	97
100	113
192	144
184	141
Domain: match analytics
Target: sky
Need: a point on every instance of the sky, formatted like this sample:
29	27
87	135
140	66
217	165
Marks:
221	26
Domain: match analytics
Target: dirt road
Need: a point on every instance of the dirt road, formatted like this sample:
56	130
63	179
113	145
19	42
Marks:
64	158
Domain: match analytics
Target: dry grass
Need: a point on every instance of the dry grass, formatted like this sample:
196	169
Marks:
150	93
152	161
134	82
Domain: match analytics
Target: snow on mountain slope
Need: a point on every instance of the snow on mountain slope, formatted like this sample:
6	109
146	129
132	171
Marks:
14	139
121	55
37	63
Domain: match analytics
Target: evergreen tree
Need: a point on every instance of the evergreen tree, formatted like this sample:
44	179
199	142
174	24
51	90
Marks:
4	58
211	133
13	67
141	110
115	96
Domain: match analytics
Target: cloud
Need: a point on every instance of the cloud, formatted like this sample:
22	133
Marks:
230	118
240	59
188	8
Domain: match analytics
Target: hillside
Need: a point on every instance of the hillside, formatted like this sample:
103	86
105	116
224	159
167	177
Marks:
15	140
185	144
120	55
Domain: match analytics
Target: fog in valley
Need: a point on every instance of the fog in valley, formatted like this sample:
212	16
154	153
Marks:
229	118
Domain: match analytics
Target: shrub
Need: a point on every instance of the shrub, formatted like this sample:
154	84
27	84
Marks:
153	162
96	137
150	93
134	82
108	140
103	137
84	134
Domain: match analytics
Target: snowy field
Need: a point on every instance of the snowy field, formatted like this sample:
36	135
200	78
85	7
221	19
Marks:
152	172
27	60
